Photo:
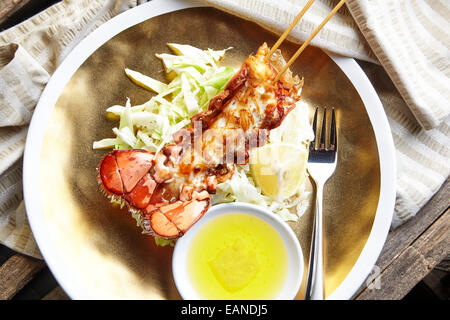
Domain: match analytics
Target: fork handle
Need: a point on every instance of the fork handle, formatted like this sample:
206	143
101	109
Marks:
314	285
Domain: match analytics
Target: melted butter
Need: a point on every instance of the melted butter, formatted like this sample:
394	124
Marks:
237	256
235	266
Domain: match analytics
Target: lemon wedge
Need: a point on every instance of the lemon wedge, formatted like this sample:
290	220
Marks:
279	169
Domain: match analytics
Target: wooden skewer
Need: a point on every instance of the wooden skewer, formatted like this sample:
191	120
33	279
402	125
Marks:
286	32
305	44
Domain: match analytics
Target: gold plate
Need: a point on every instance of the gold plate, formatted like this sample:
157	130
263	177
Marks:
106	253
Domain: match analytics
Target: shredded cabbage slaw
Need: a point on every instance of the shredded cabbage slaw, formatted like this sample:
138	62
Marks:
197	78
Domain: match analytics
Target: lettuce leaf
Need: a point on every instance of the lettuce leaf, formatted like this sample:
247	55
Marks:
165	242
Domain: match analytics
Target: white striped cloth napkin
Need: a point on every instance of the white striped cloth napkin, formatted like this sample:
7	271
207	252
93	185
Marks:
29	53
410	39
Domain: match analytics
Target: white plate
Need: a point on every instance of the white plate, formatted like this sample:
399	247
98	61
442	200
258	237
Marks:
92	42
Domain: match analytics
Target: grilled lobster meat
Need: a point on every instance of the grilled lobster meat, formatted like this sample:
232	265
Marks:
169	191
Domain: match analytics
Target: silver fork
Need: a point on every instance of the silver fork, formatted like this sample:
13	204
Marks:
321	166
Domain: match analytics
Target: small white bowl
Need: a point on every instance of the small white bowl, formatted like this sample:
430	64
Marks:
295	256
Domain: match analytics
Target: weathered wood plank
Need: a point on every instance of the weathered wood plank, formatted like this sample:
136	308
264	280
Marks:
402	237
444	265
16	272
5	253
8	7
56	294
414	263
435	281
41	284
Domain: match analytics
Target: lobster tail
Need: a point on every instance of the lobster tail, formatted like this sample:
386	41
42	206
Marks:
137	177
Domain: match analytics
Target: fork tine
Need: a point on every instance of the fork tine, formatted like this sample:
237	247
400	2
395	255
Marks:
314	124
333	136
323	130
314	127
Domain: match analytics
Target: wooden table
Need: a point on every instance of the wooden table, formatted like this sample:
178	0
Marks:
412	250
409	254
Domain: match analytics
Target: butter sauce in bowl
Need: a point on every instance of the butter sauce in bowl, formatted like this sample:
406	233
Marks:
238	251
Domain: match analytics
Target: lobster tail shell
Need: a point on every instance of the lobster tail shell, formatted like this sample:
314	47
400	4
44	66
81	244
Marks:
173	220
135	176
109	174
